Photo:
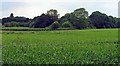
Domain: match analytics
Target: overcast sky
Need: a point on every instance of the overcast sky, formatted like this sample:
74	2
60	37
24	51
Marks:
32	8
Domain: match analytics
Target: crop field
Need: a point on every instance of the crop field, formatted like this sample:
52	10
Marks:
91	46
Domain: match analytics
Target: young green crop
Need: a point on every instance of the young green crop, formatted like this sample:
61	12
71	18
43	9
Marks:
61	47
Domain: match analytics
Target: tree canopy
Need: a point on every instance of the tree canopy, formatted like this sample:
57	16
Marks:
101	20
45	20
77	19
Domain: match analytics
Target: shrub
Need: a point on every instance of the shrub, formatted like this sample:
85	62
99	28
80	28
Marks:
67	24
31	24
54	25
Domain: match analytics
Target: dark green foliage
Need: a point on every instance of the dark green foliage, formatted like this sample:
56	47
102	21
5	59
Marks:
117	20
16	24
0	20
101	20
11	15
42	21
26	29
55	25
81	23
65	18
53	14
15	19
78	18
45	20
67	24
29	29
31	24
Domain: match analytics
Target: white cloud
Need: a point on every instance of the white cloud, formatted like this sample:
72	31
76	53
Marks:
36	10
59	1
37	7
1	14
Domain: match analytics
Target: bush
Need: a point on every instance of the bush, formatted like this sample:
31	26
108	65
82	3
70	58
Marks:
16	24
67	24
31	24
54	25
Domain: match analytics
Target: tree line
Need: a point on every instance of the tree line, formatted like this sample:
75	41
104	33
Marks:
78	19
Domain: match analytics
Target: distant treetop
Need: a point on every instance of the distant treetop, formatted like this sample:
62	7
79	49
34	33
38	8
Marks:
11	15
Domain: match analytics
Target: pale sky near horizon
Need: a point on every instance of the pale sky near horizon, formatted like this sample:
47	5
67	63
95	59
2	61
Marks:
32	8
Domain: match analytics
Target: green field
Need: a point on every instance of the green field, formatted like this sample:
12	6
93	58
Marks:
61	47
